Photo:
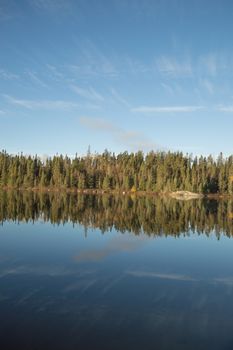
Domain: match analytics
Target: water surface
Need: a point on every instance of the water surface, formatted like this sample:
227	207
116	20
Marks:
103	272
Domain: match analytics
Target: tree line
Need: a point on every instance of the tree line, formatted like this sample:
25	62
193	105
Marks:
150	215
152	172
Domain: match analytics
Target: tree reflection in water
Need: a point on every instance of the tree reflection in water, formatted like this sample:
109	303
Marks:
151	215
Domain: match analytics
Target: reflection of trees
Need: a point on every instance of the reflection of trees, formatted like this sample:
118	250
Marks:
151	215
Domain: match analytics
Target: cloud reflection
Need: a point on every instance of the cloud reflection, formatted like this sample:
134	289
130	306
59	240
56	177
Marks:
168	276
115	245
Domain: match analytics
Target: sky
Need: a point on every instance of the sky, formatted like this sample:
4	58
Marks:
122	75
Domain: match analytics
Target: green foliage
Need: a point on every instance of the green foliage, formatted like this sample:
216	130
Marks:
153	172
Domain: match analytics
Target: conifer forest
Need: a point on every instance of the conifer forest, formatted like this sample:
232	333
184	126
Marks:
131	172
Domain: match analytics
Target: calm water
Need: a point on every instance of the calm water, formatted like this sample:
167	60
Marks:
92	272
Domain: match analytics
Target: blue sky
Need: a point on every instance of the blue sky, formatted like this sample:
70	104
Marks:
116	74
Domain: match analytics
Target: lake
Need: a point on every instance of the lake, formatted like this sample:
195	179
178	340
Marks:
115	272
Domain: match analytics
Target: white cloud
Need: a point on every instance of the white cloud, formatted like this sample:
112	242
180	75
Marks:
97	62
167	88
119	98
209	64
34	77
89	94
6	75
98	124
133	140
166	109
54	72
133	66
228	109
41	104
92	62
173	68
207	85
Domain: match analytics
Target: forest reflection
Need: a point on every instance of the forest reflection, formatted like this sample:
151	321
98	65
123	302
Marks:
146	214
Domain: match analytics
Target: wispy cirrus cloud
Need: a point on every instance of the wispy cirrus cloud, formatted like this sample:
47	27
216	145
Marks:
209	64
134	66
204	66
92	62
6	75
168	88
41	104
166	109
35	79
48	104
119	98
172	67
91	69
207	85
54	72
89	93
227	109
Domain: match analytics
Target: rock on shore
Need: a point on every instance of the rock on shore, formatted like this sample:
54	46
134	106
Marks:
185	195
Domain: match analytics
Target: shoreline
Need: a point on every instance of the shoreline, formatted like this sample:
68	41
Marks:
178	195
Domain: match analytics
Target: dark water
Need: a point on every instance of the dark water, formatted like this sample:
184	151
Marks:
99	272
